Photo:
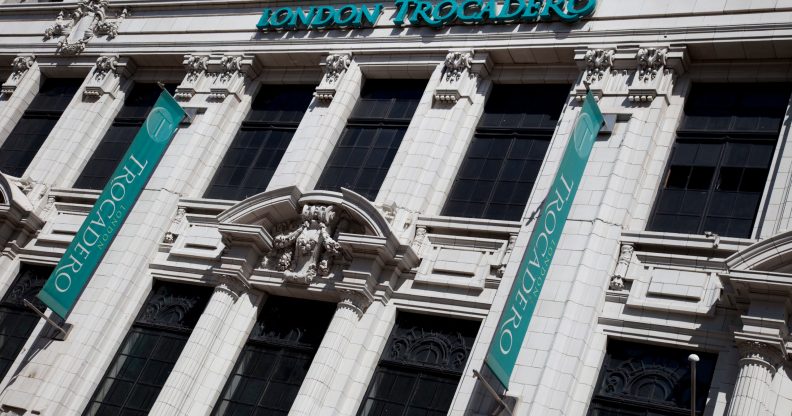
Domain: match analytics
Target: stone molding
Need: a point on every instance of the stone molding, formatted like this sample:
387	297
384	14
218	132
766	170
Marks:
335	66
20	66
74	29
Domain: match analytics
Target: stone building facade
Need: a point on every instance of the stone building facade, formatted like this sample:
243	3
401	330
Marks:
337	227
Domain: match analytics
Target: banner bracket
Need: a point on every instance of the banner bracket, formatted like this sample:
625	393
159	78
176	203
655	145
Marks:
501	404
62	331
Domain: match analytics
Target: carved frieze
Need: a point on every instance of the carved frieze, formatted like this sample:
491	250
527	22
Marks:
78	26
305	250
335	66
20	66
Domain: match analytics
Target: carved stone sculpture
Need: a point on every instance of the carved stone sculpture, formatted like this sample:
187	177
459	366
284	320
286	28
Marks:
335	66
455	64
625	257
305	250
87	20
650	62
19	66
598	61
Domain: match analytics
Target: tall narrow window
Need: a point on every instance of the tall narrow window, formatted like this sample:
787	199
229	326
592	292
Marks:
149	352
276	358
17	321
420	367
119	137
372	136
503	159
646	380
261	141
36	124
720	160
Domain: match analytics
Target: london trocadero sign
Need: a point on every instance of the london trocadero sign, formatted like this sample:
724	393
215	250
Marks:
425	13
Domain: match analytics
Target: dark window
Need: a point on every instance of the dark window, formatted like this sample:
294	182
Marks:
146	357
16	320
420	367
646	380
504	158
720	160
261	141
372	136
36	124
276	358
119	136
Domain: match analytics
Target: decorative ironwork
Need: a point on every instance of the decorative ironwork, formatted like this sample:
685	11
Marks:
438	343
30	281
174	306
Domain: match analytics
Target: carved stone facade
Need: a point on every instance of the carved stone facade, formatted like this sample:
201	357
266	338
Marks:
74	29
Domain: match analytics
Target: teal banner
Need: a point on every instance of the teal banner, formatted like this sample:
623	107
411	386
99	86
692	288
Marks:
538	256
100	227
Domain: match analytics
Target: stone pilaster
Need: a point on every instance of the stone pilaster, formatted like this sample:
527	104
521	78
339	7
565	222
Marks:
320	128
324	366
84	123
18	91
759	362
197	354
425	166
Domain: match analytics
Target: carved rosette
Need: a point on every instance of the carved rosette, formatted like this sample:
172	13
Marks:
305	250
457	79
335	66
20	66
625	257
88	20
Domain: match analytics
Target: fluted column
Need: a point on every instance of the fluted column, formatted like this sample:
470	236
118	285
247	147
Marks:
196	353
324	365
758	364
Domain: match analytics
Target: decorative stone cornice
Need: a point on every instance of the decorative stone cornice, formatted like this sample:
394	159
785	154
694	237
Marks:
86	21
19	66
335	66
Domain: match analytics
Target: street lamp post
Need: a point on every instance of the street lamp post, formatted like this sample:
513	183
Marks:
693	358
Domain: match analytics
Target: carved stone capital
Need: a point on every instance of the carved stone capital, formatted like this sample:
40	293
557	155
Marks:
598	63
226	75
232	285
653	75
355	301
19	66
650	62
457	79
105	79
196	66
335	66
764	353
